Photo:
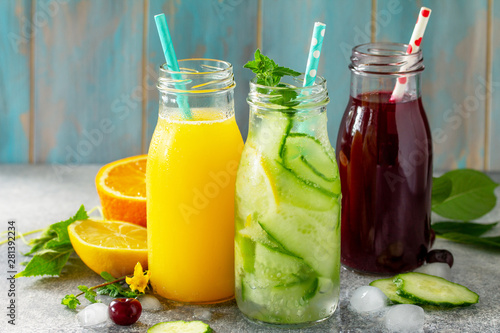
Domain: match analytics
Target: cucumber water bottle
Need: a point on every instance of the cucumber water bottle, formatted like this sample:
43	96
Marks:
287	241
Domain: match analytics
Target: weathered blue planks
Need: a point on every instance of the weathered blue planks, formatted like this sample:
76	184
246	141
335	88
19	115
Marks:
494	125
217	29
454	48
15	25
287	29
94	61
88	74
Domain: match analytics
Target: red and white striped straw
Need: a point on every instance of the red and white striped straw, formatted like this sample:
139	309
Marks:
414	46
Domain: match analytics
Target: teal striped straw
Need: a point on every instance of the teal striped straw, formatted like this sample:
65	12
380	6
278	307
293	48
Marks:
171	59
314	54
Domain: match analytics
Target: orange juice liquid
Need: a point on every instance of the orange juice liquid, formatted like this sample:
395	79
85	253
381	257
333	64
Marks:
190	181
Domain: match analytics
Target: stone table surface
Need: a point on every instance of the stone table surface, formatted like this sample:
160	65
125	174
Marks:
36	196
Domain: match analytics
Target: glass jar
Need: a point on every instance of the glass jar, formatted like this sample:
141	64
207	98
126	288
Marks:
190	180
287	242
384	148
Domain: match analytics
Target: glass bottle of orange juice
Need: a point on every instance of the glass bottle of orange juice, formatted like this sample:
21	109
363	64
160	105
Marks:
190	182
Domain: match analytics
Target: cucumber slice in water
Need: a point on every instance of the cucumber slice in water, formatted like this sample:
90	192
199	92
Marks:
306	157
180	327
291	189
273	267
308	235
432	290
390	290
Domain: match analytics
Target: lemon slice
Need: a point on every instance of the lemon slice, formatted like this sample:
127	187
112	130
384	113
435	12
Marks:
109	246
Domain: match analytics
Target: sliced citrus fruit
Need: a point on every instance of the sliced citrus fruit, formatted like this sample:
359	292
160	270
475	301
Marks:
121	186
109	246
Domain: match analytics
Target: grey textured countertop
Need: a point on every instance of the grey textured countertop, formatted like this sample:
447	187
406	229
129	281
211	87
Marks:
36	196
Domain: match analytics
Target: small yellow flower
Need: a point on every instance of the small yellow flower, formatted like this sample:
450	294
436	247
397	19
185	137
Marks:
140	279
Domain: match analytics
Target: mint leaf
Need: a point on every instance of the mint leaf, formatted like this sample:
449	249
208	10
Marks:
115	289
52	249
268	73
471	195
468	228
89	294
70	301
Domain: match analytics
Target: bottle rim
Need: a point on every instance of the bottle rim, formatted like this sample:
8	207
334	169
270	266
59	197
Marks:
385	58
312	97
197	76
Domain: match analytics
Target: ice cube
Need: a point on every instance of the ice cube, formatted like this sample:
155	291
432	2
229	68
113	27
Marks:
150	303
367	298
440	269
93	314
405	318
202	314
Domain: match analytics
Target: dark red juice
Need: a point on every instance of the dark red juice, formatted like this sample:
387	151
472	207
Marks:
384	151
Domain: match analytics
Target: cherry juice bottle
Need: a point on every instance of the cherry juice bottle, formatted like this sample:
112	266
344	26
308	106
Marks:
384	152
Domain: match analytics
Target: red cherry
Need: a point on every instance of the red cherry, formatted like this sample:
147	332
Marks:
125	311
418	41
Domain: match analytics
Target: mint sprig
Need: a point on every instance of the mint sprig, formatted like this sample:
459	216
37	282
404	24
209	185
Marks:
268	73
112	287
52	249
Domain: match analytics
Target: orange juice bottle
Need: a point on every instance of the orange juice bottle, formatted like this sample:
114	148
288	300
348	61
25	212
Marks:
190	179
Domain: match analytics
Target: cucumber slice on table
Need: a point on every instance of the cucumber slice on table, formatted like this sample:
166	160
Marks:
306	157
390	290
432	290
180	327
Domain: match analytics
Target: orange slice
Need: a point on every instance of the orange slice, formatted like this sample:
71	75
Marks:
109	246
121	186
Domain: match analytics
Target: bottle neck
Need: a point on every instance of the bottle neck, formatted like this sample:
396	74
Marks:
362	83
378	67
199	85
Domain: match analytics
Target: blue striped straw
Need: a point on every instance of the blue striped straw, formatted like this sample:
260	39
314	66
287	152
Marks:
171	59
314	54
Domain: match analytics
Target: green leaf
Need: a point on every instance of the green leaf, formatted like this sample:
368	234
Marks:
490	242
108	277
441	189
268	73
70	301
471	196
52	249
468	228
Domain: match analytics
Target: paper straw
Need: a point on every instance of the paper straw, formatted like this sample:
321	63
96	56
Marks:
314	54
171	59
413	47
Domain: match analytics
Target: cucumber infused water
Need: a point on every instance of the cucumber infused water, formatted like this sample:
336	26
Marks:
287	241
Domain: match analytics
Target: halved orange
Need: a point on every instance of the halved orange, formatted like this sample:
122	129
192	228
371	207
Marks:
109	246
121	186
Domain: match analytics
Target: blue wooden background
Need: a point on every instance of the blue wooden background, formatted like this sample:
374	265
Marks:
77	78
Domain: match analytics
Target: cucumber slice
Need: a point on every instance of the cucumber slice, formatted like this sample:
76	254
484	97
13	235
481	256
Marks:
180	327
310	235
244	255
306	157
390	290
269	132
275	268
310	300
278	304
291	189
432	290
